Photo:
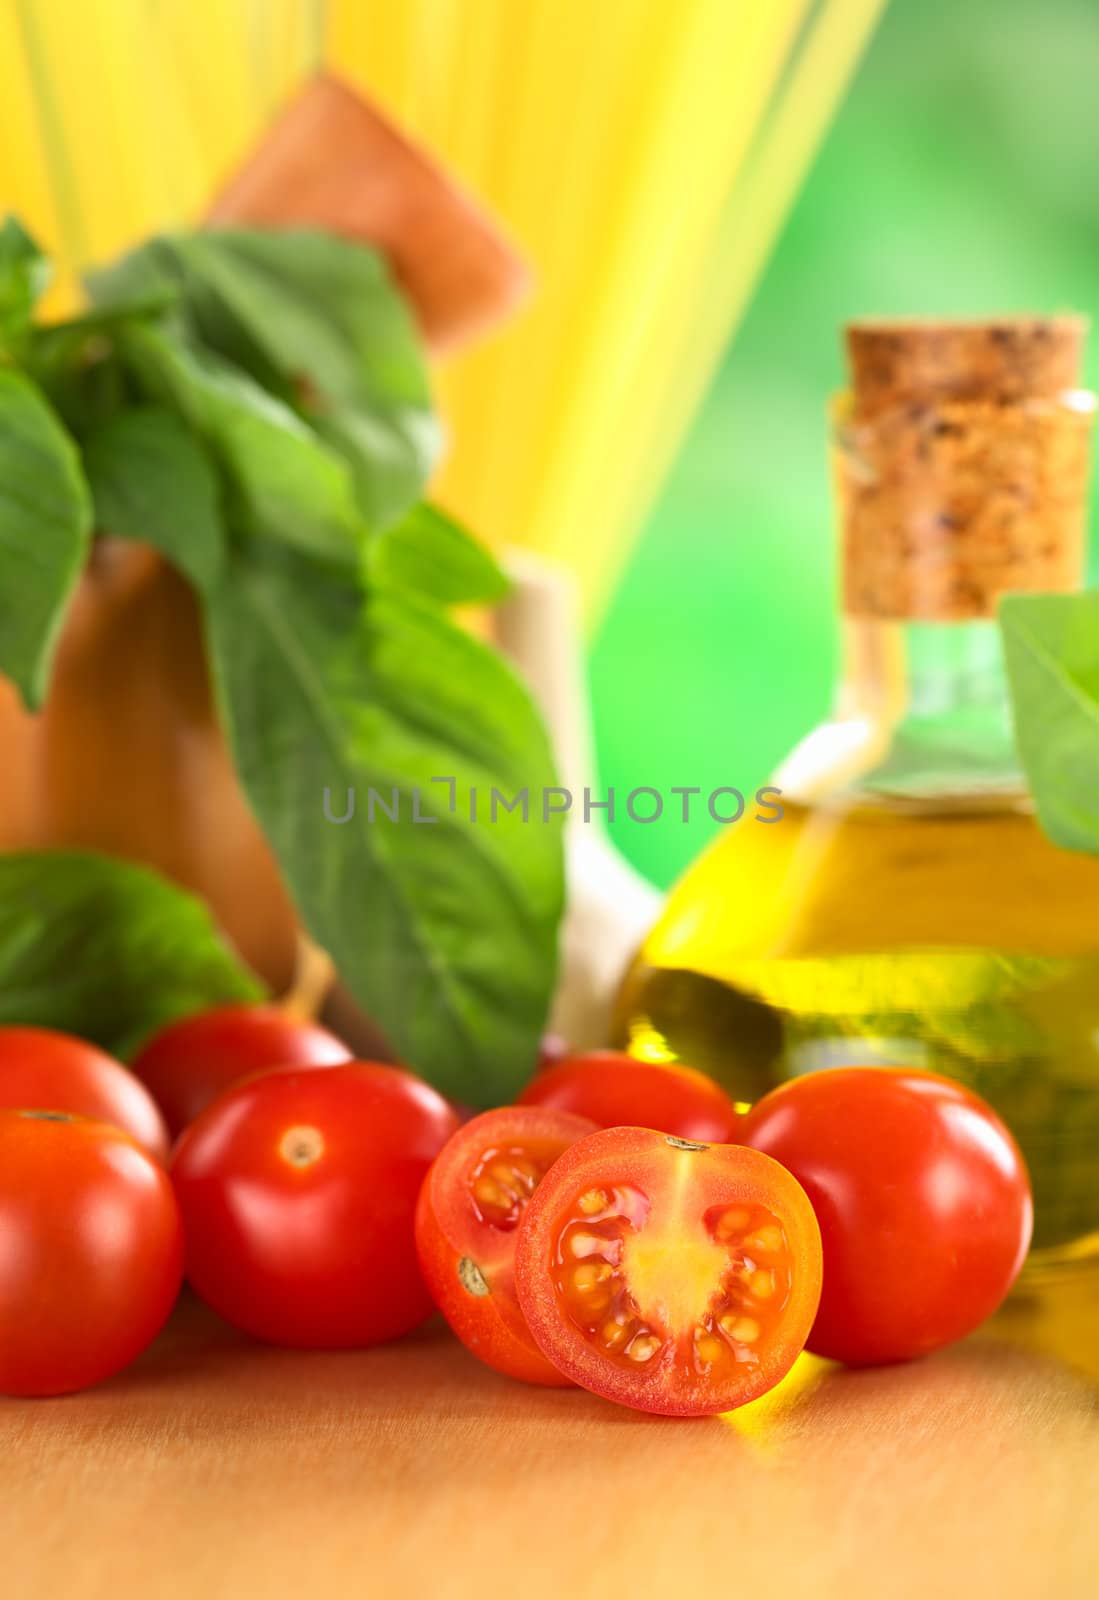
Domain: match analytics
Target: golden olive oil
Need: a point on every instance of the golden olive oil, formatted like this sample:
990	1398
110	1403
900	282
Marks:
947	934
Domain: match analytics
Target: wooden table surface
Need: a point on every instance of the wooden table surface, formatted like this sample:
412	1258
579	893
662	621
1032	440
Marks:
220	1468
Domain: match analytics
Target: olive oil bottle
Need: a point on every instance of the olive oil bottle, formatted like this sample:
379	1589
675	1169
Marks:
907	908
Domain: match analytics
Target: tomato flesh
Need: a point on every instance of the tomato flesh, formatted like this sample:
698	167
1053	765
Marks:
466	1224
669	1275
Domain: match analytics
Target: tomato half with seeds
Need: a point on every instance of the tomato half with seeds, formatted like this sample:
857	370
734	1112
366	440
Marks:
466	1224
671	1276
615	1091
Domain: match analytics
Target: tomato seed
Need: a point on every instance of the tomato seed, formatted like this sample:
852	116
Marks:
708	1348
489	1193
745	1330
587	1244
509	1179
731	1224
766	1239
589	1275
642	1347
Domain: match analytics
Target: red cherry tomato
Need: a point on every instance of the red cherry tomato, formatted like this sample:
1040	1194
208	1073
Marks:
923	1202
41	1070
91	1251
298	1191
616	1091
466	1221
194	1060
674	1277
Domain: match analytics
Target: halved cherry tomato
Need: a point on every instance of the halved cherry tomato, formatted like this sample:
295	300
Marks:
670	1276
192	1061
41	1070
91	1251
923	1202
466	1221
616	1091
298	1192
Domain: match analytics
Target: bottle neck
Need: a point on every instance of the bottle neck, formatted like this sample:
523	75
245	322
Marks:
933	700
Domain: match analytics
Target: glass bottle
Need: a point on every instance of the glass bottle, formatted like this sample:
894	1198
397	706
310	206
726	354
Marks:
907	908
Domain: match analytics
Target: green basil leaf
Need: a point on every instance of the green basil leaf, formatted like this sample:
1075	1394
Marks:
390	464
315	318
1052	649
150	480
429	554
286	483
76	365
144	276
444	930
106	949
24	277
45	524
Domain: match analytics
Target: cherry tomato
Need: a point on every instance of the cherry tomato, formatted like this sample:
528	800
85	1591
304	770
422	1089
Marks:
298	1191
91	1251
923	1202
670	1276
192	1061
41	1070
466	1221
616	1091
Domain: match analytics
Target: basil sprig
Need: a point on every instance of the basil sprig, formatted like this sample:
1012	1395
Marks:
256	406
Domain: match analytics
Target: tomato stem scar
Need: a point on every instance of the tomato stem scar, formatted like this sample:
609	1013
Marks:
301	1145
683	1144
471	1277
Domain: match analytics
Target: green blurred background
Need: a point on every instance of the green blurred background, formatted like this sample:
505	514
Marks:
959	177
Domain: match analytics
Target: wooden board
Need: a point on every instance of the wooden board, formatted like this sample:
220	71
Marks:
220	1468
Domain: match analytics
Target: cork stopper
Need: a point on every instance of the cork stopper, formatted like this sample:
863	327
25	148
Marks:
916	362
962	464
